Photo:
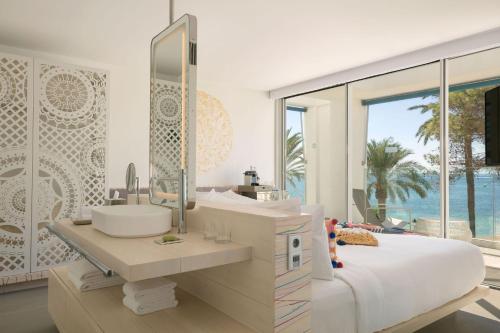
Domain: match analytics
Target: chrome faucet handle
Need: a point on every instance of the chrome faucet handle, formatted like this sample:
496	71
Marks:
182	227
138	200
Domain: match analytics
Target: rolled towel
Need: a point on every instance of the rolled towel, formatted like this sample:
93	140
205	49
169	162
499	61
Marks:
148	287
86	285
153	297
145	308
84	270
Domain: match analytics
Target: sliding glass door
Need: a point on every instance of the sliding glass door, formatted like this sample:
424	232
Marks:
395	150
316	144
295	175
474	188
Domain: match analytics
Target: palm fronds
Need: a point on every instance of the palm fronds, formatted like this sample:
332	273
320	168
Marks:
295	162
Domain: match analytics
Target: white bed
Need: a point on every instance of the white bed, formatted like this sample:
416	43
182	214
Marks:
398	285
333	307
404	277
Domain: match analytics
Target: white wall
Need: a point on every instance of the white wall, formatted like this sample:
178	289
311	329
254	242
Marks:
252	118
251	112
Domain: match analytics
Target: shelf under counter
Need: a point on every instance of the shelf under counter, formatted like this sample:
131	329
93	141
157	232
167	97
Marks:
136	259
102	310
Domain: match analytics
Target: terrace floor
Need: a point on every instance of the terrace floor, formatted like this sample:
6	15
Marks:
492	262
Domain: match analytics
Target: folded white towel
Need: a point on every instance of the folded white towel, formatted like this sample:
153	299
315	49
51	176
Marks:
153	297
145	308
94	279
84	270
148	287
86	285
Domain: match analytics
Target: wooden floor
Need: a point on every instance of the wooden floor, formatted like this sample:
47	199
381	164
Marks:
26	312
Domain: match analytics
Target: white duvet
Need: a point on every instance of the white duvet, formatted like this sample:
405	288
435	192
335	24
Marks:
406	276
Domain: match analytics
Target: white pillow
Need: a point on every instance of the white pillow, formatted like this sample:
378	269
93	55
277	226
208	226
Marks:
218	197
237	197
321	263
289	205
205	196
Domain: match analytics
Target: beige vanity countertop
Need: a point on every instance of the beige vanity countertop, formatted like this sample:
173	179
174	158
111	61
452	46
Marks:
102	310
137	259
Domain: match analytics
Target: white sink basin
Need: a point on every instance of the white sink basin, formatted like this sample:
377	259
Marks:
132	220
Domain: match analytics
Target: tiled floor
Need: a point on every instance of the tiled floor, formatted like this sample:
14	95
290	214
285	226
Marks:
26	312
480	317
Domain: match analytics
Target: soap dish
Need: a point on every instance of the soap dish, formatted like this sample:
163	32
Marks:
175	241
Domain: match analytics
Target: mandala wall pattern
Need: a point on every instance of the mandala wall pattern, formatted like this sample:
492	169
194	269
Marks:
15	163
70	109
214	132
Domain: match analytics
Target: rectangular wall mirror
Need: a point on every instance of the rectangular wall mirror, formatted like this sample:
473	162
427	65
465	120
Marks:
172	155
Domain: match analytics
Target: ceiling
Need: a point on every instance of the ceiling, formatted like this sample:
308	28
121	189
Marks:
256	44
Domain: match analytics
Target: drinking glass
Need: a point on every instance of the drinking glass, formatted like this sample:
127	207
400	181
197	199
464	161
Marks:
209	230
223	233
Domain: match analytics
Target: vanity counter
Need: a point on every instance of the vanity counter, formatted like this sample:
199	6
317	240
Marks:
101	310
136	259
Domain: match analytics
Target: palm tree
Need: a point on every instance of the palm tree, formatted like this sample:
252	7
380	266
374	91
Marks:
466	128
389	177
295	168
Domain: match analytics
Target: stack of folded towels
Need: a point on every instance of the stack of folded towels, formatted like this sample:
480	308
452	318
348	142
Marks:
148	296
86	276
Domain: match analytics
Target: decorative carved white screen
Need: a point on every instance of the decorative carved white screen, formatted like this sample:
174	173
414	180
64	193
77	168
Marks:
69	152
16	111
166	126
64	170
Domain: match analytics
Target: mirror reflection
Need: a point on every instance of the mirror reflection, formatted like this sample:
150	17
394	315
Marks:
172	131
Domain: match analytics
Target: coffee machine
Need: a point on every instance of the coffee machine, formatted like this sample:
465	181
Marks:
252	188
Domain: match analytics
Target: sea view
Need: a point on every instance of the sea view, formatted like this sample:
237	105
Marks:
487	203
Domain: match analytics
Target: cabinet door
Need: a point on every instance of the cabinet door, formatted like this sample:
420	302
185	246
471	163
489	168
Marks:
16	110
69	152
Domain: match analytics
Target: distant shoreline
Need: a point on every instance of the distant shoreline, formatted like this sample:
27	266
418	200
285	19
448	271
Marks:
487	203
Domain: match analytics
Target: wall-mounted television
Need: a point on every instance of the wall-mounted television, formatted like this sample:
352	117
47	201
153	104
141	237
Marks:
492	126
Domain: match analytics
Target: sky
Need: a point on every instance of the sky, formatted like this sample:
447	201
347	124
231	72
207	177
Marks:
293	121
394	119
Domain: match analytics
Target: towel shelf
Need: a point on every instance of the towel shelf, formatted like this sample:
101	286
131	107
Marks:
90	258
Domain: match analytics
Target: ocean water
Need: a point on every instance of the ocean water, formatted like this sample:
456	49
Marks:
487	203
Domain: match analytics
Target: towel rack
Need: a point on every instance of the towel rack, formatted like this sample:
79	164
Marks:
90	258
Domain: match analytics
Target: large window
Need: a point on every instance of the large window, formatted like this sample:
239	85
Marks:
397	137
394	150
394	159
317	175
474	188
295	157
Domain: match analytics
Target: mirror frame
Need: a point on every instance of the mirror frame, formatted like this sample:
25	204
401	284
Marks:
188	105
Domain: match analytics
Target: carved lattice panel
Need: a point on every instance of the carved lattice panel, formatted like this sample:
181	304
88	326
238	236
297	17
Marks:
166	126
15	163
69	152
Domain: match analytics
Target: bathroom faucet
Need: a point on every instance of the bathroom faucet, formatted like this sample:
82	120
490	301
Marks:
182	191
138	199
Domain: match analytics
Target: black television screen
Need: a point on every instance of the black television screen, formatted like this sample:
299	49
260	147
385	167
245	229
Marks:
492	126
